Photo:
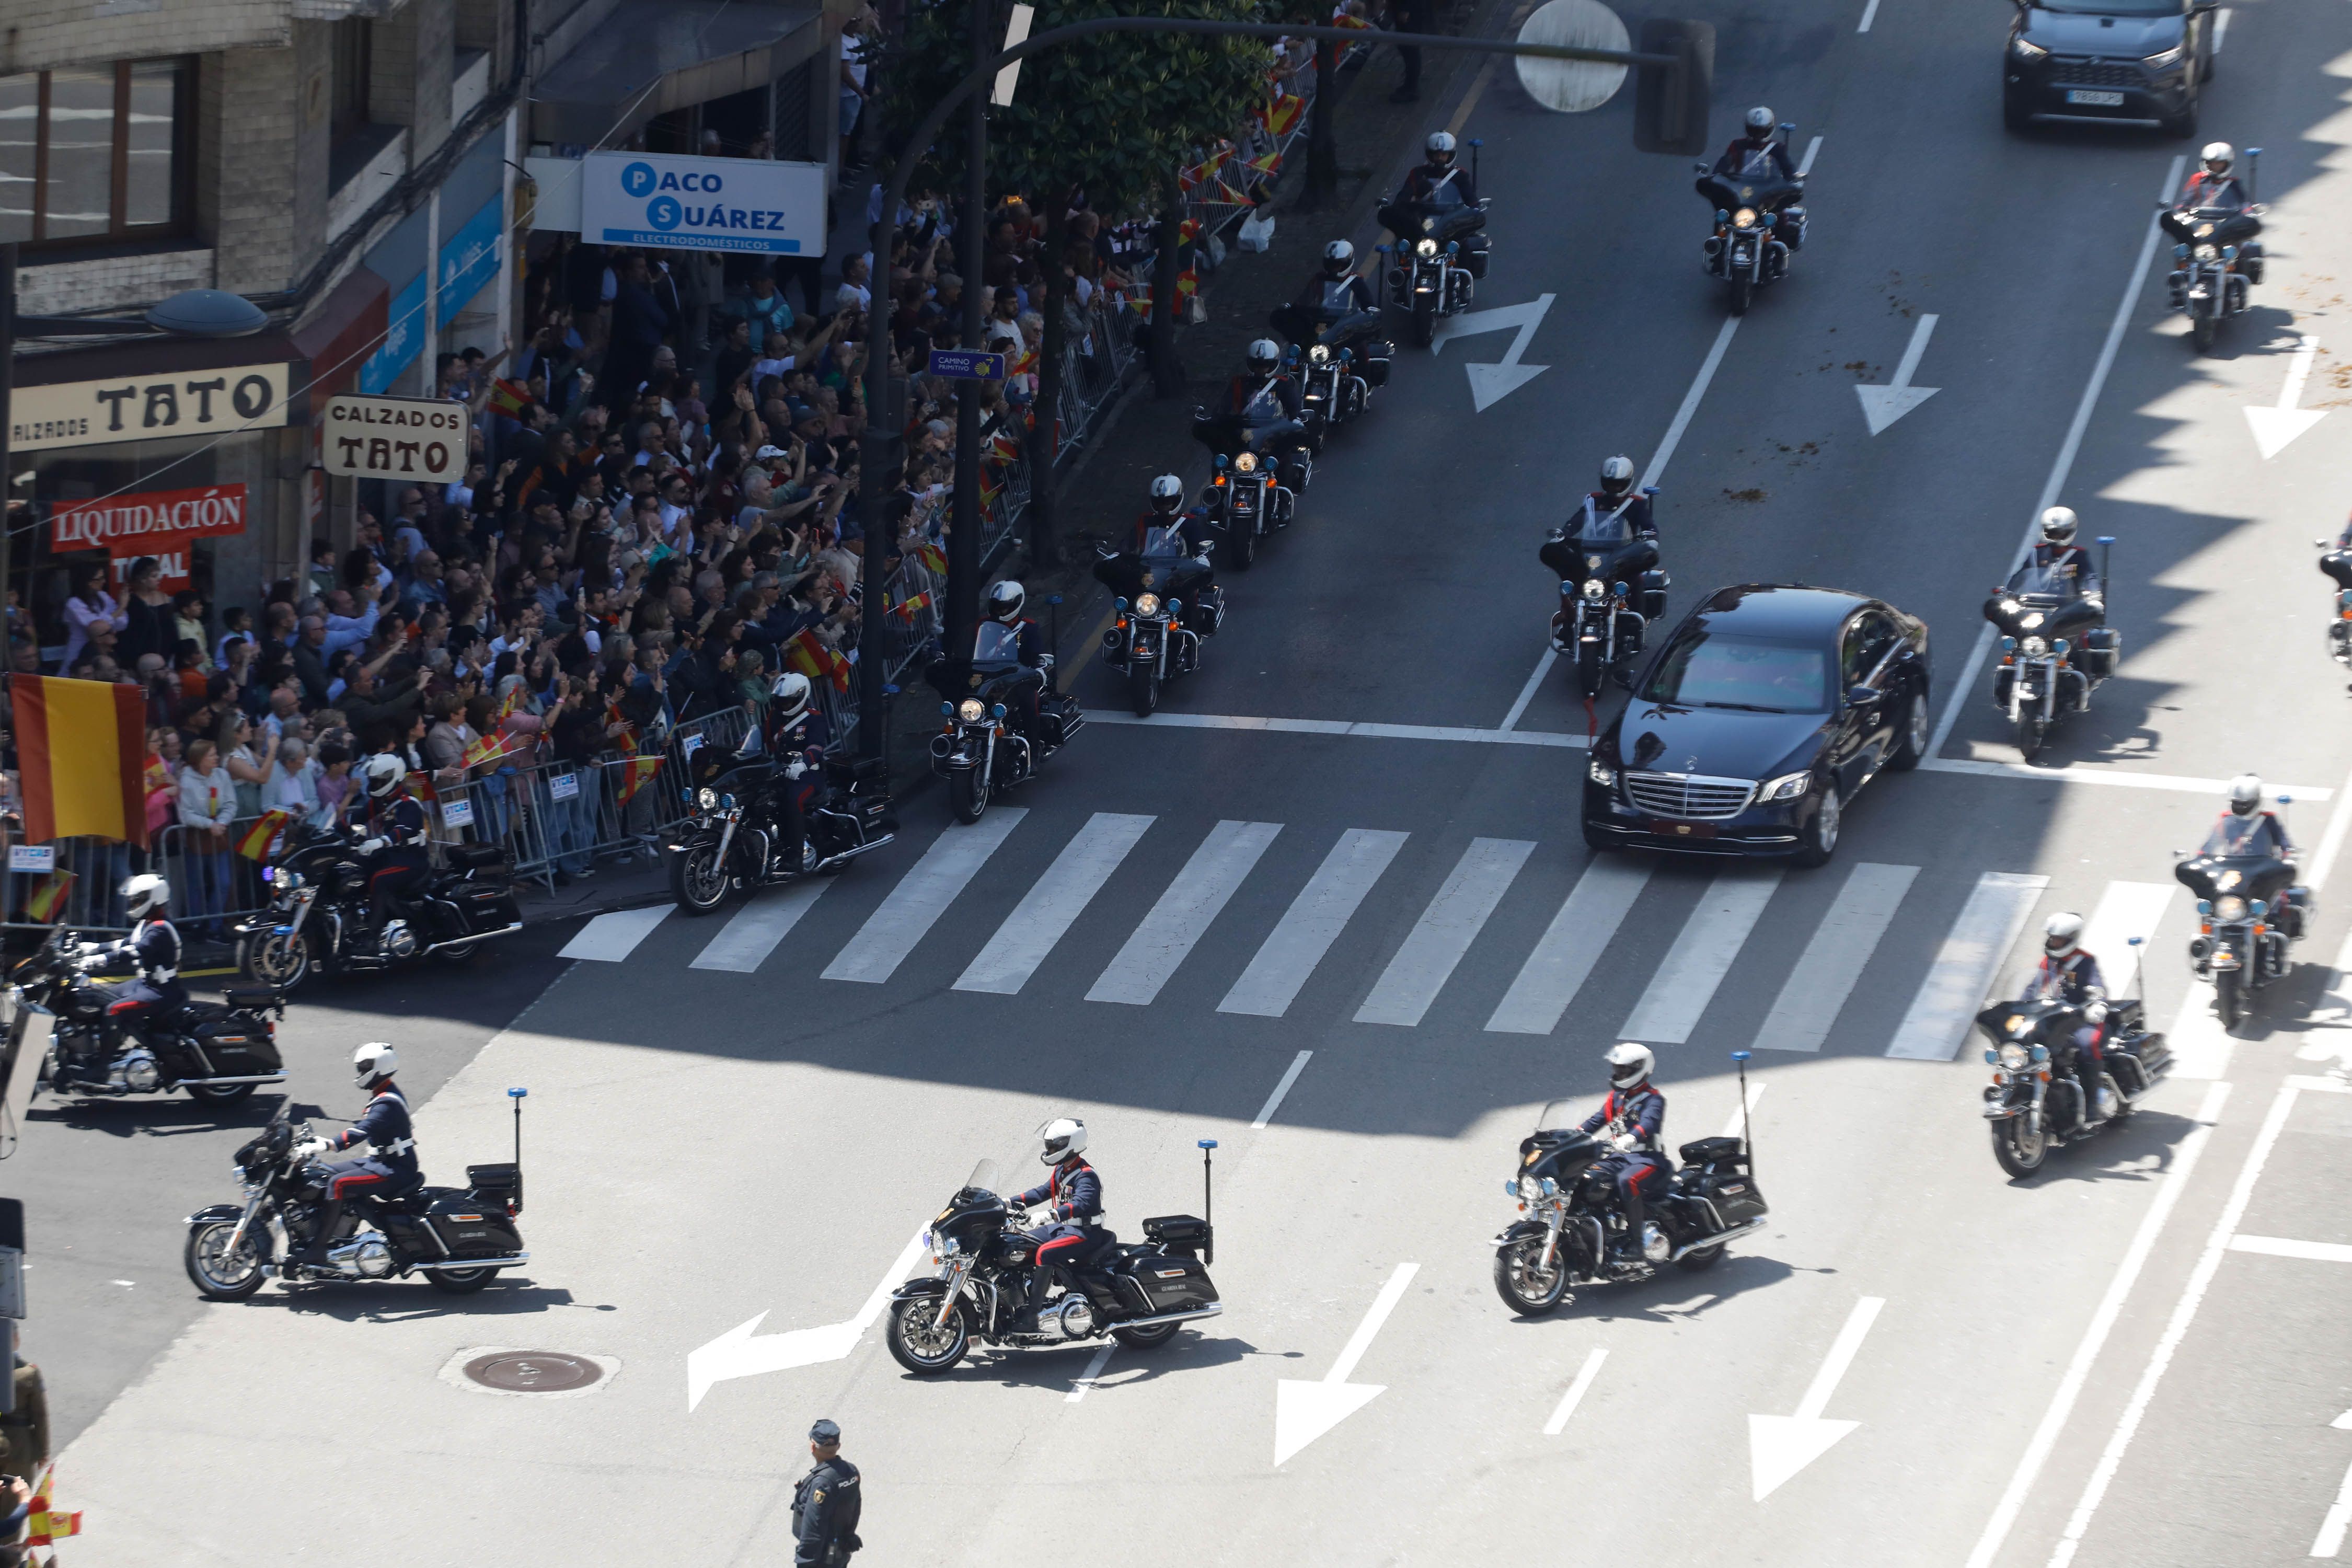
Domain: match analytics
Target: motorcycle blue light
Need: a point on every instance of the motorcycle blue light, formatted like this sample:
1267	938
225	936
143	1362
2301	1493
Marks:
2181	252
997	712
947	709
1452	246
1121	605
1992	1056
2260	909
270	873
2042	1053
2009	644
1723	215
1619	589
2204	905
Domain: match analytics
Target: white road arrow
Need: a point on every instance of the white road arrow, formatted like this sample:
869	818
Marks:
737	1354
2274	428
1781	1445
1882	406
1305	1411
1490	384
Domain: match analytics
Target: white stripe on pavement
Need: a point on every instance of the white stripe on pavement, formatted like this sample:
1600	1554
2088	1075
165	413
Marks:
1087	1378
1684	983
1689	409
2329	1541
1575	1395
1163	719
1738	1126
2287	1247
2200	1047
1833	961
1314	921
759	926
1950	996
608	939
1812	150
2118	777
1194	898
922	896
1053	903
1570	947
2126	910
1274	1101
1444	931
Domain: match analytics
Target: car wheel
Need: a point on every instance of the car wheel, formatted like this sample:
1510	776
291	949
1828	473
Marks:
1819	839
2183	125
1911	740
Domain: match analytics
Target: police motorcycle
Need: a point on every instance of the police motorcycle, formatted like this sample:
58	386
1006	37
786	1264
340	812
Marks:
733	839
458	1238
976	752
2249	913
2338	566
2054	650
1259	471
1139	1293
1438	257
1167	601
2037	1100
104	1040
1610	589
1335	380
318	911
2216	260
1569	1213
1745	250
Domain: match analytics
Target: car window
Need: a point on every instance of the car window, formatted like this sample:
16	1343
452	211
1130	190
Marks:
1714	669
2116	7
1854	652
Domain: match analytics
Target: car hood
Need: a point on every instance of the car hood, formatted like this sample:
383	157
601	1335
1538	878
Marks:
2115	38
1717	742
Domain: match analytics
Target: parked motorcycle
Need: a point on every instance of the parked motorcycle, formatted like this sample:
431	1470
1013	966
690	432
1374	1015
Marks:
1571	1215
103	1041
319	914
1139	1293
976	752
2054	650
1610	590
734	839
1167	602
1746	250
458	1237
2337	564
2037	1100
2217	261
2249	913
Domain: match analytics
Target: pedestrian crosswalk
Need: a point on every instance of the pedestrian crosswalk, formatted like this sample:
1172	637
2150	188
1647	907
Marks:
1511	936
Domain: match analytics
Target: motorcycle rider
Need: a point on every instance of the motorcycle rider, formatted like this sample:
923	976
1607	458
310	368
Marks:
1074	1198
1760	157
2058	555
1438	178
1022	690
1633	1117
395	854
2246	828
2069	974
2214	188
152	949
1264	392
1617	495
1332	295
796	741
388	1171
1192	532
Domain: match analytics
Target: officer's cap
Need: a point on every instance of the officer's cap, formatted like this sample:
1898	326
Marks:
825	1432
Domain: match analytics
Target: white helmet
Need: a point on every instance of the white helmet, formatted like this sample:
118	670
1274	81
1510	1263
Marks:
1629	1064
1060	1139
2062	934
2058	525
1005	599
1337	257
1265	355
2217	157
1167	493
144	892
788	699
1760	122
383	773
1440	145
2246	794
374	1062
1616	476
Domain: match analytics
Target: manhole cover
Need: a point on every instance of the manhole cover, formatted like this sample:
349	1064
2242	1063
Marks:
532	1371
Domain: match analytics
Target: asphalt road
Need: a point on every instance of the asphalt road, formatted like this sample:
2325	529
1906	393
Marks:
1361	962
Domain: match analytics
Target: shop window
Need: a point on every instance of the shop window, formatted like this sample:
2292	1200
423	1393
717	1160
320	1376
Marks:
90	154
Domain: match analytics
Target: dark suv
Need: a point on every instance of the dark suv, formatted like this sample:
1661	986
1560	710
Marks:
2108	59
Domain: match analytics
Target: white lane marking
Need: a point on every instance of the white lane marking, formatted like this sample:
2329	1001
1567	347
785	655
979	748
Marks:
1882	406
1869	13
1087	1378
2221	28
2287	1247
1964	690
2099	775
1568	1401
1490	384
1835	959
1163	719
2200	1047
2329	1541
2331	840
2176	1329
1812	150
1781	1445
1684	414
1312	923
2126	910
1527	692
922	896
1449	925
1738	1126
2274	428
1570	947
1197	896
1305	1411
1274	1101
2343	1422
1050	907
1956	984
737	1354
608	939
759	926
1702	955
2171	1180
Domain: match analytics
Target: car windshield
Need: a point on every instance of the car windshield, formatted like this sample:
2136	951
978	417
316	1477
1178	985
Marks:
2117	8
1718	669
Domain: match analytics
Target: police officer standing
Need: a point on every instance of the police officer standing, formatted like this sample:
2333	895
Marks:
826	1503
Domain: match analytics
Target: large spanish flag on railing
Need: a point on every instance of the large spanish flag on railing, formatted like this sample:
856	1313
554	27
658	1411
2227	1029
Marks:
82	749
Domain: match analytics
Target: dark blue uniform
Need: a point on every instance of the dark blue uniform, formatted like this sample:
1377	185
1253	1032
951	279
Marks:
153	950
2074	980
398	868
825	1510
1641	1111
1073	1196
390	1169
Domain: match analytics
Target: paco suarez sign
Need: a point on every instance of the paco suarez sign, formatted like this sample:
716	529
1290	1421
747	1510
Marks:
702	204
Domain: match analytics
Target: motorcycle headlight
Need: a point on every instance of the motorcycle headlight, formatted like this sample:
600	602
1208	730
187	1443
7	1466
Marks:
1744	218
2230	907
1601	773
1592	587
2013	1056
971	710
2208	253
1427	248
2200	231
1318	354
1246	463
1147	605
289	881
708	800
2163	59
2028	622
1788	786
2035	647
2026	51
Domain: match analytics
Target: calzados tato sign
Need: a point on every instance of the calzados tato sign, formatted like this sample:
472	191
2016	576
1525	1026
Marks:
394	438
147	408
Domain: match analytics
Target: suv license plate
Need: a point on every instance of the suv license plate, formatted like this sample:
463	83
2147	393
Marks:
2097	100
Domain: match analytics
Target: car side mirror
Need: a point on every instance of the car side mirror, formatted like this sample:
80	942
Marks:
1861	696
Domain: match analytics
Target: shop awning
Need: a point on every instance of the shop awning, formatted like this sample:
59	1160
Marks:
650	57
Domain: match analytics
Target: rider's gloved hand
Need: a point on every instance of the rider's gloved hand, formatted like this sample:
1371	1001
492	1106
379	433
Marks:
310	1148
369	845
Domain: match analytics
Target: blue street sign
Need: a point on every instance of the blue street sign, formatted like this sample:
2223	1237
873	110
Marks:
967	365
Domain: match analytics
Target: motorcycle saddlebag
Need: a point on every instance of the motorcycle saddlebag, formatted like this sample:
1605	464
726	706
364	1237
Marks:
1652	603
236	1049
1374	355
1474	254
1173	1281
1728	1152
2337	564
2102	647
471	1226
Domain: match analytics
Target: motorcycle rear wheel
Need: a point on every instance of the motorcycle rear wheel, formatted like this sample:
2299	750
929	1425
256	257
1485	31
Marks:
697	882
1143	690
1514	1267
1704	1258
203	1255
2017	1151
458	953
2228	996
459	1282
1152	1338
279	959
219	1094
967	796
918	1347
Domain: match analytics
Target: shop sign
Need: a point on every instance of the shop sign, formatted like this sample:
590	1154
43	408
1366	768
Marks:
161	523
703	203
148	408
394	438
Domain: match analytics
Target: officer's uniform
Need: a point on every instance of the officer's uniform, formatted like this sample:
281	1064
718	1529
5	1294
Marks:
399	869
1073	1196
389	1169
825	1508
2074	980
154	951
1641	1111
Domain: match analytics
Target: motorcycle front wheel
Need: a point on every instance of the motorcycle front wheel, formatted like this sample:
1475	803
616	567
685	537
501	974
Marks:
967	796
1424	320
1143	690
2017	1150
1743	291
458	1281
1241	546
279	958
1525	1287
1590	669
2026	732
2202	328
696	880
919	1344
2228	996
218	1276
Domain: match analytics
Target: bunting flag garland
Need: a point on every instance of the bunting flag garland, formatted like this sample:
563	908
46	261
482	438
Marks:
263	834
634	773
509	398
907	609
81	751
49	897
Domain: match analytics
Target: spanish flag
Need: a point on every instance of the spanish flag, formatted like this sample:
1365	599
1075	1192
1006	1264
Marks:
49	897
934	559
258	838
82	749
1283	113
816	661
509	398
486	749
1004	446
634	773
907	609
508	704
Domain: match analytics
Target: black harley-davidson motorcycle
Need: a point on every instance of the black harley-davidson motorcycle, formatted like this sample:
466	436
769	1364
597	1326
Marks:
1139	1293
319	911
105	1041
977	751
2055	650
2037	1100
1611	590
1261	471
1167	602
2336	563
2216	259
2249	912
1441	252
734	839
1572	1228
1745	248
457	1237
1340	361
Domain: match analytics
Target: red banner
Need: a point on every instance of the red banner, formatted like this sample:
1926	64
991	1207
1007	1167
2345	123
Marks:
154	522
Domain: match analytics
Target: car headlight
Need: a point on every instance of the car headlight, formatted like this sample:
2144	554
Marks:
1744	218
1788	786
2164	59
1318	354
1592	587
1246	463
708	800
1147	605
2014	1057
971	710
1601	773
2208	253
2230	907
2025	50
2035	647
1427	248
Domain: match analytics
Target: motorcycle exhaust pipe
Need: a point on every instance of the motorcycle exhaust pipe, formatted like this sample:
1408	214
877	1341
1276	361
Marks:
1209	1312
508	930
218	1082
1719	1238
438	1264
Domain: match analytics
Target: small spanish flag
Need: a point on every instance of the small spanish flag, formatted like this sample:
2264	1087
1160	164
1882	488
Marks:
1188	283
613	715
1266	164
509	398
49	897
488	749
157	775
81	748
1026	365
1004	446
46	1525
1283	113
992	482
816	661
509	703
934	559
907	609
258	838
634	773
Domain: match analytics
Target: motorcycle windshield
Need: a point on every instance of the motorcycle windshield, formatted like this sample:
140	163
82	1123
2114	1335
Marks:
1164	544
2042	581
986	1177
1445	199
1558	1116
2241	835
1596	527
996	643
